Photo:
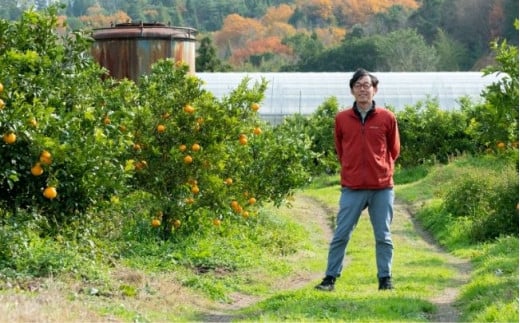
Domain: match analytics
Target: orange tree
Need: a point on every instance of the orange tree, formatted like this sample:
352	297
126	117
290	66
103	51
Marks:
494	123
208	161
63	128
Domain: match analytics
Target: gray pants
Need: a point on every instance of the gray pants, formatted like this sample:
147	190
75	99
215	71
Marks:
380	209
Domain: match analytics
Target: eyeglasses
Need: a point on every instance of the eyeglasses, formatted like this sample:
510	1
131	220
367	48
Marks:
365	86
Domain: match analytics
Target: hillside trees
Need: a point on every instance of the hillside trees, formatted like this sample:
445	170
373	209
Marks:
354	12
405	50
401	50
463	28
207	60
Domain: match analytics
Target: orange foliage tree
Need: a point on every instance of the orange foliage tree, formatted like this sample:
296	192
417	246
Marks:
318	12
358	11
96	18
270	44
282	13
237	31
331	36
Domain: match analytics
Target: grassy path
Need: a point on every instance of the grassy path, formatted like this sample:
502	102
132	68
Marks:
427	278
427	282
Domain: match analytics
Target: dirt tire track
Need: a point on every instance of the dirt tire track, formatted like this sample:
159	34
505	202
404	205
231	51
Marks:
304	207
445	301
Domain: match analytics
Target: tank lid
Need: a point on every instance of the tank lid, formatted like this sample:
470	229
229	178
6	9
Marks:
144	30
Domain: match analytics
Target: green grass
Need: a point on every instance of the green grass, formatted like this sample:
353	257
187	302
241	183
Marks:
265	269
420	273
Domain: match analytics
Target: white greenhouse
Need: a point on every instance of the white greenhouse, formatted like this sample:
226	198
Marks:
289	93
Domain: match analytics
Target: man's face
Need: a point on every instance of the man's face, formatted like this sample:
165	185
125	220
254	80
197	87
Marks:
363	91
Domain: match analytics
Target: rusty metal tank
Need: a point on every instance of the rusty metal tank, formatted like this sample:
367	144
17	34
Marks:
128	50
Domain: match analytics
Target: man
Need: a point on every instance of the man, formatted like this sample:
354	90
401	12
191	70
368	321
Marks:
367	144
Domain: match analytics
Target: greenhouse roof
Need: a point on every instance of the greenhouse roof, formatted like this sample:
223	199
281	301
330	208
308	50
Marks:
289	93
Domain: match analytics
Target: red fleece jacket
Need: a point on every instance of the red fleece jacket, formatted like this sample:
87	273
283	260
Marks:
367	152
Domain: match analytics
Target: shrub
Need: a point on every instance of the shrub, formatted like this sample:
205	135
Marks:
488	199
430	134
318	130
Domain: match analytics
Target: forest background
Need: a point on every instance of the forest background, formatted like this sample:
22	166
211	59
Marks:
313	35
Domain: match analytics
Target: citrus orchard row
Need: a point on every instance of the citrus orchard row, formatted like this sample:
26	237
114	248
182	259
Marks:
74	141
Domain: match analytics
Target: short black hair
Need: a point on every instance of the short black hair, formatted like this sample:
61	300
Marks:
359	73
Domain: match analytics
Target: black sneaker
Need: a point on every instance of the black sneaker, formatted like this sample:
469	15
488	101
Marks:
385	283
326	284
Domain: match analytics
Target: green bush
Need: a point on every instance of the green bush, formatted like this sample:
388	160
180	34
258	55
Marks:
487	199
318	130
430	134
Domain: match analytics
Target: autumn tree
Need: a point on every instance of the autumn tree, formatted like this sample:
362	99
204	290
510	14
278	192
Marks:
276	20
262	48
96	17
237	31
318	13
351	12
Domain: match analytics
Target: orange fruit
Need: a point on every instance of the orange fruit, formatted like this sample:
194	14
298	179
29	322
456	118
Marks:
217	222
50	192
228	181
501	145
139	165
2	104
189	200
255	106
195	147
156	223
37	169
161	128
182	147
45	157
188	160
195	189
189	109
245	214
252	200
257	131
106	121
243	140
176	223
1	87
136	147
9	138
33	122
234	204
